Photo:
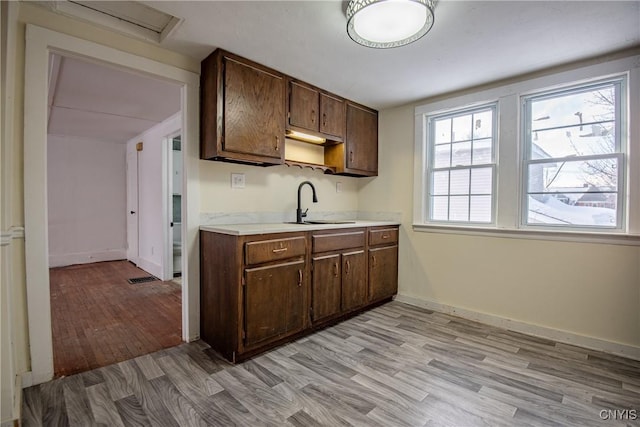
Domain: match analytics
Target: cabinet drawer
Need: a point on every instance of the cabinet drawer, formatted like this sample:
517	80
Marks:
273	250
383	236
337	241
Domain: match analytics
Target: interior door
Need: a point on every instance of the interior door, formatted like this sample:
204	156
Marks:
132	205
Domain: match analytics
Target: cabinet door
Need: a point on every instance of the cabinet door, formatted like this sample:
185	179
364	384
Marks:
362	139
354	280
325	288
383	272
273	301
254	116
332	115
303	107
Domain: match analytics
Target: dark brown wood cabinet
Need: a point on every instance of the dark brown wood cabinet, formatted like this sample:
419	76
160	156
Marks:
246	108
273	301
338	271
242	110
358	155
383	263
259	291
254	290
316	112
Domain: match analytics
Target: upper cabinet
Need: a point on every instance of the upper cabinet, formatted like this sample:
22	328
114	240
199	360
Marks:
242	110
246	110
358	156
318	112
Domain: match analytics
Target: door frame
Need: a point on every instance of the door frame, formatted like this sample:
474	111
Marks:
167	201
40	42
132	181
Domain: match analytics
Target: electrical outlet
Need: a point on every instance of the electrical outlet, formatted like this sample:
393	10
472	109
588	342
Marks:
237	180
338	187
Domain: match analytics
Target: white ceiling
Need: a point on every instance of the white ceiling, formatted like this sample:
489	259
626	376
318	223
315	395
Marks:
471	42
89	100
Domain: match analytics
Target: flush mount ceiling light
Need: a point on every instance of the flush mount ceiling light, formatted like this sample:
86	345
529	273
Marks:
384	24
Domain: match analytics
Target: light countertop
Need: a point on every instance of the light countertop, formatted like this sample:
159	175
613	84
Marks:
266	228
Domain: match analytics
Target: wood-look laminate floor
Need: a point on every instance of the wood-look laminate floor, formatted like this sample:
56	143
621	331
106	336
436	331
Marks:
396	365
99	319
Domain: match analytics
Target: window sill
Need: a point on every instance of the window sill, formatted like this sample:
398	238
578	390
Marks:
563	236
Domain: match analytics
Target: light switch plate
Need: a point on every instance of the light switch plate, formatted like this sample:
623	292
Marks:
237	180
338	187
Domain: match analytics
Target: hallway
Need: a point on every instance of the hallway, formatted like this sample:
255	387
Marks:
98	318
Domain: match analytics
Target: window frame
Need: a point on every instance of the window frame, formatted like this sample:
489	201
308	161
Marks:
429	163
620	83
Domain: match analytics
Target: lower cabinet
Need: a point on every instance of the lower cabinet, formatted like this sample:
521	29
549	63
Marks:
273	301
383	263
259	291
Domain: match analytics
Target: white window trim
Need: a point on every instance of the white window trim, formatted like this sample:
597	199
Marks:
509	153
620	154
428	166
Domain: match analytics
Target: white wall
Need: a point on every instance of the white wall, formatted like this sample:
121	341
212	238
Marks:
153	194
589	292
86	200
271	193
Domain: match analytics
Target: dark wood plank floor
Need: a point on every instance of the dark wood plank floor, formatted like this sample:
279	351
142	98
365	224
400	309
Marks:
99	319
396	365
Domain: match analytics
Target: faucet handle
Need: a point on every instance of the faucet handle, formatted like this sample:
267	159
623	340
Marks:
304	214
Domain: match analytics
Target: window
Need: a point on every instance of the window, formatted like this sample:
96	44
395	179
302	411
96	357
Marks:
461	166
574	157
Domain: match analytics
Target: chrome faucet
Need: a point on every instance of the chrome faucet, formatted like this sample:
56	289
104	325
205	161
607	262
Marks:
299	214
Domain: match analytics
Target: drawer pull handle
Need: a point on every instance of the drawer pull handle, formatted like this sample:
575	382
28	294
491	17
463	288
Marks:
335	269
324	119
277	143
385	236
299	278
348	268
275	251
313	116
373	261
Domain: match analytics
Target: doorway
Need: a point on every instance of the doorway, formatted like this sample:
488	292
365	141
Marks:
40	43
106	206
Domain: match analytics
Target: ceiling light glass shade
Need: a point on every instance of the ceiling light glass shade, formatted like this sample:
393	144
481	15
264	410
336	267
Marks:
388	23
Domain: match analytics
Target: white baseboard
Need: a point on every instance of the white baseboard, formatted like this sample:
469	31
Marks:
150	267
566	337
62	260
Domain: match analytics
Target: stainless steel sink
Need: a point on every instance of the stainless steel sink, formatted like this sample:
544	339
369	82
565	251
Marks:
329	221
322	221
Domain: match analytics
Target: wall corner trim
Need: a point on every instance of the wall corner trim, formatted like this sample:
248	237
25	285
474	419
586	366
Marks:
561	336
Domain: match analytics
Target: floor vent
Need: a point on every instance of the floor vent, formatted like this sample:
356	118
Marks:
137	280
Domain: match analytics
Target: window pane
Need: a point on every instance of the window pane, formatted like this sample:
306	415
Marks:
440	182
442	156
459	181
461	128
461	154
481	181
574	176
482	151
584	209
459	210
575	108
483	124
442	132
480	209
440	208
574	141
